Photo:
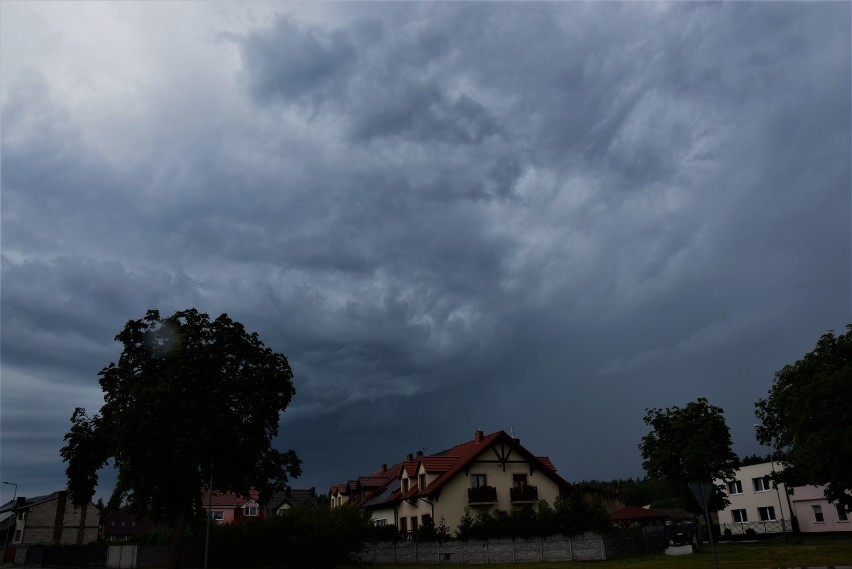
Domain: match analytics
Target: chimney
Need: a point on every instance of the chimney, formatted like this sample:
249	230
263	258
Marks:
477	435
409	457
419	453
384	468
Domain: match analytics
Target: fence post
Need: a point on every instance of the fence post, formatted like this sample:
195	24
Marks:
486	553
570	549
513	550
603	547
541	548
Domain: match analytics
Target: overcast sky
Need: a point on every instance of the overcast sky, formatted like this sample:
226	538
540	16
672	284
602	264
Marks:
533	216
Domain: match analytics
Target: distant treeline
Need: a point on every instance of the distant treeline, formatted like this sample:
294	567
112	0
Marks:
645	491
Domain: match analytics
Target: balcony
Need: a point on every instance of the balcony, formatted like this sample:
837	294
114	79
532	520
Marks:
524	494
482	495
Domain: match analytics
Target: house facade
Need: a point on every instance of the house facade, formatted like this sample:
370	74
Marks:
491	472
122	527
52	519
291	498
758	505
816	514
227	507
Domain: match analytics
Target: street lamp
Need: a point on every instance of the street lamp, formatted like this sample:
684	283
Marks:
11	517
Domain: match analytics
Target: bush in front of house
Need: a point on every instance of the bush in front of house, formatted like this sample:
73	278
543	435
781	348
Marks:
568	516
304	537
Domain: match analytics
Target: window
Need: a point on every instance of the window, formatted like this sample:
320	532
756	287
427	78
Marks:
735	487
425	519
380	523
842	514
761	484
17	535
477	481
739	516
217	515
20	515
414	524
818	516
519	481
403	524
422	481
405	485
251	510
766	514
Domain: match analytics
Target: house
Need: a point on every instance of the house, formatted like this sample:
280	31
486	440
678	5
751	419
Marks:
634	516
122	527
291	498
227	507
815	514
52	519
758	505
490	472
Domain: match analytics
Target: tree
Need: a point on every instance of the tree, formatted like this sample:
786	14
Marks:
190	398
807	418
686	445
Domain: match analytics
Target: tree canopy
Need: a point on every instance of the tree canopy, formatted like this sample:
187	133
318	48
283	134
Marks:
692	444
807	418
189	398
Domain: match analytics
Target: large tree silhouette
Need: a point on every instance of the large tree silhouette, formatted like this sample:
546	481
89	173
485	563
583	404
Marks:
807	418
189	398
689	444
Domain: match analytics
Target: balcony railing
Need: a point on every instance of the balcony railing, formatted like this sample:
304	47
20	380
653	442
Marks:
524	494
484	494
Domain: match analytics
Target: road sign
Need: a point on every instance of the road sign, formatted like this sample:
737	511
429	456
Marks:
702	492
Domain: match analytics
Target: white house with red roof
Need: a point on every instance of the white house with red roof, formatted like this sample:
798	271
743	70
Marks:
492	472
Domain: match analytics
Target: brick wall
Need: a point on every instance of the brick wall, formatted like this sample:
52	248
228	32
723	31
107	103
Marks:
58	521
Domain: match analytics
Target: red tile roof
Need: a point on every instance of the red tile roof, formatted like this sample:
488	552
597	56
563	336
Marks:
438	463
227	499
446	464
372	481
631	513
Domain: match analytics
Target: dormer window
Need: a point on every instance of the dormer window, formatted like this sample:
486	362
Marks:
251	510
405	485
422	481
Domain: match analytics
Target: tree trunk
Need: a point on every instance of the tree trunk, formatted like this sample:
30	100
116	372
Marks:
176	544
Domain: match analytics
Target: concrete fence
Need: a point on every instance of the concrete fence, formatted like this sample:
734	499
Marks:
92	556
585	547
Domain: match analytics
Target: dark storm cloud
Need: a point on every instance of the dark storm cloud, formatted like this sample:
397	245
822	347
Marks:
291	63
448	216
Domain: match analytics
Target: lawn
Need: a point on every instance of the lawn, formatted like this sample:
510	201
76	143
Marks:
823	551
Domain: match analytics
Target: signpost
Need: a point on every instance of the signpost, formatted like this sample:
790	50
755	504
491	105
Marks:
702	492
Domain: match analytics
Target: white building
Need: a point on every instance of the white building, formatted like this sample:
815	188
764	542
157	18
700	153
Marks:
756	503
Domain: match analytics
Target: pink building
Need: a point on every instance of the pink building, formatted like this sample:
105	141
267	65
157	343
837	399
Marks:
816	514
226	508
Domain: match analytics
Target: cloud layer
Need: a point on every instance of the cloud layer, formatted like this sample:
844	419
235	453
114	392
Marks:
546	217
